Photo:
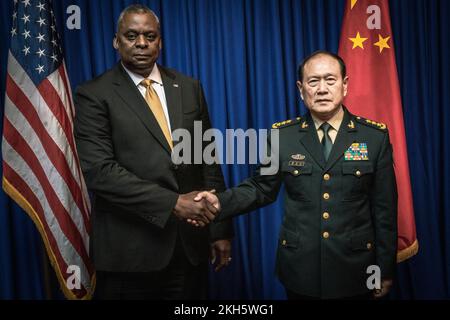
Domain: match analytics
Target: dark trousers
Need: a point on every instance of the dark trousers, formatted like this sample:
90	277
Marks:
295	296
179	280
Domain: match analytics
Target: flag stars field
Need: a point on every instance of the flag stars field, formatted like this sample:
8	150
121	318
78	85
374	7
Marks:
358	42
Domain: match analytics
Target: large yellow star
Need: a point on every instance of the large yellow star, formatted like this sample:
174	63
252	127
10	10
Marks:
358	41
353	2
382	42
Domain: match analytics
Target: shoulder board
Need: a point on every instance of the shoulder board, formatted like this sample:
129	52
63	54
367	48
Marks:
371	123
286	123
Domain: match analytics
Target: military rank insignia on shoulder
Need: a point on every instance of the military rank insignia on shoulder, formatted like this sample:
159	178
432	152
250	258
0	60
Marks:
371	123
286	123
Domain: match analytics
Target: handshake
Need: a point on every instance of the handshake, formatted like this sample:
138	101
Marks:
197	208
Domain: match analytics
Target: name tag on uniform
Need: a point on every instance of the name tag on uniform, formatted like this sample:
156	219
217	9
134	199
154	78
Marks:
293	163
357	151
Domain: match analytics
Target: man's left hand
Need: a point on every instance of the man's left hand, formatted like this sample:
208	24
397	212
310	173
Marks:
221	253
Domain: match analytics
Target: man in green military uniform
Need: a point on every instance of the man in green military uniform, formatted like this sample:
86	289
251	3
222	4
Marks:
341	197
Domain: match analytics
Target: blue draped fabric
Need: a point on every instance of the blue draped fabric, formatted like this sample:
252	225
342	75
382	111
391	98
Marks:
246	53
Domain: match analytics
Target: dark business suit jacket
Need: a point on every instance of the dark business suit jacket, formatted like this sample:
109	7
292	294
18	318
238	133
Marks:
134	184
326	242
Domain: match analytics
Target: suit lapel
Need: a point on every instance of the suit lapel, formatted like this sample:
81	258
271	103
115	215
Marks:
172	90
131	97
344	139
310	140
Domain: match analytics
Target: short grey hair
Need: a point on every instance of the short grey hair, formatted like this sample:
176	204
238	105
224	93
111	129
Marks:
136	8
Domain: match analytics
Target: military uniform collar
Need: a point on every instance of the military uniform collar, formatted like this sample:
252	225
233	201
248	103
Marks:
348	120
335	122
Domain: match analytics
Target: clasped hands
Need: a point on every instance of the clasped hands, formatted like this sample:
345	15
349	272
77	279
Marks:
197	208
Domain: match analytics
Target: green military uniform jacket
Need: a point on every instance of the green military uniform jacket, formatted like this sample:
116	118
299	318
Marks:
340	215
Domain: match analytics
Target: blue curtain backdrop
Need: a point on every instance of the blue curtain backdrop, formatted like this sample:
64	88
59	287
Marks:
246	53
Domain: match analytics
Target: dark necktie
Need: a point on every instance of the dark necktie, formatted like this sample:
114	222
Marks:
326	141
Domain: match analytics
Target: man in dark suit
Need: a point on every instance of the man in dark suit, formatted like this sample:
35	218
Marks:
141	245
340	192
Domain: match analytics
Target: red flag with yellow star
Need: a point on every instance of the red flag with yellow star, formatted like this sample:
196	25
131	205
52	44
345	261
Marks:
367	47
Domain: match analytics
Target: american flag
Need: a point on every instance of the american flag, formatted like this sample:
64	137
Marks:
41	170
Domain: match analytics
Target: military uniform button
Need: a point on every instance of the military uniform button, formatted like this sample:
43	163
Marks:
326	177
369	245
283	242
326	196
325	215
326	235
358	173
296	172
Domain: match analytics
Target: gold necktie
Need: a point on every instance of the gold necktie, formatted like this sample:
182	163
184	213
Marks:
155	105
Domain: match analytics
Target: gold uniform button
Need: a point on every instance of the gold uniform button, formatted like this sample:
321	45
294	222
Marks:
296	172
369	245
326	215
358	173
326	196
326	235
326	177
283	242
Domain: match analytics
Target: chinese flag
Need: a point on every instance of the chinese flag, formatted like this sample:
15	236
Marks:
367	47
